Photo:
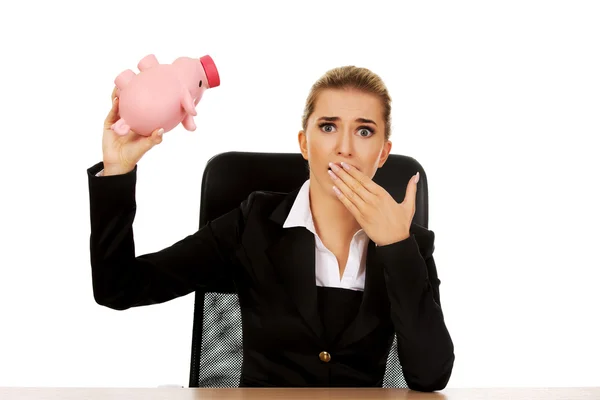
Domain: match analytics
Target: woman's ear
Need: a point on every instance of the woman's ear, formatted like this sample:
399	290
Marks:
303	144
385	152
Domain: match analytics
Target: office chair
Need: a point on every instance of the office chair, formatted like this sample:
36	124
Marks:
228	179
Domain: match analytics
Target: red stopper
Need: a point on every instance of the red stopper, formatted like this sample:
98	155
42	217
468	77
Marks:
211	71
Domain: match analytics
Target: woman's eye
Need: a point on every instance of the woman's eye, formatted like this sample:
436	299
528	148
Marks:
365	132
327	127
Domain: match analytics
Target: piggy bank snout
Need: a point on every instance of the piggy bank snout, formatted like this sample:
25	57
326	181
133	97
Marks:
212	74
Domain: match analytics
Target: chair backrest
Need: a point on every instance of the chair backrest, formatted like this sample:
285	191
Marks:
228	179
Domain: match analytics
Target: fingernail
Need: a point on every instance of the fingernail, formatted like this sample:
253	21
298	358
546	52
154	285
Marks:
417	180
161	131
115	100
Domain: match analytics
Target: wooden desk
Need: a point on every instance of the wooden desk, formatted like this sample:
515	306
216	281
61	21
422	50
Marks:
312	394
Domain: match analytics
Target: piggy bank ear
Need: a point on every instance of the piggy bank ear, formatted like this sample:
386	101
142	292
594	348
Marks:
188	103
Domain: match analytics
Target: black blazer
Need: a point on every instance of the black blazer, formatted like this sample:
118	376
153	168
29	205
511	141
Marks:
273	270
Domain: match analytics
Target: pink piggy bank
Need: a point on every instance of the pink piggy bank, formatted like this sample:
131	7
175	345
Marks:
163	95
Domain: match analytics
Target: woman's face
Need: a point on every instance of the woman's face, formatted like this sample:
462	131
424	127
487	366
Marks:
346	125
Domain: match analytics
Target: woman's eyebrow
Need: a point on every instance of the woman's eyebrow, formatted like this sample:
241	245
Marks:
334	119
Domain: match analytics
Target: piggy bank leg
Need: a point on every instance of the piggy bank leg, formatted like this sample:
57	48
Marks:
188	123
123	79
120	127
147	62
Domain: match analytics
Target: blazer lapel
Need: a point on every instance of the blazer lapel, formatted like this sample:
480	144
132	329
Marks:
292	253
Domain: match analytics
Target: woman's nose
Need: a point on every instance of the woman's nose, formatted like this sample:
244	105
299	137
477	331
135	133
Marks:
344	144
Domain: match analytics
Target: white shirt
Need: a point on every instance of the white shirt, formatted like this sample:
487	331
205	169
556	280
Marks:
327	269
326	265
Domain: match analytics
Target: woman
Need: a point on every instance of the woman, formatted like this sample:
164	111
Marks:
302	261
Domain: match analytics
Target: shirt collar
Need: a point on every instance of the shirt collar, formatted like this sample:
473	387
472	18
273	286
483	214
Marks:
300	214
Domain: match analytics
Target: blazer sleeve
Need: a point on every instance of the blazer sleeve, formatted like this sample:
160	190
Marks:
425	348
121	280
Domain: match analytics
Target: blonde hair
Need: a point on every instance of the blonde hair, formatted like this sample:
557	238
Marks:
351	77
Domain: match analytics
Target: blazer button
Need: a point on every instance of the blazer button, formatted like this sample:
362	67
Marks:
324	356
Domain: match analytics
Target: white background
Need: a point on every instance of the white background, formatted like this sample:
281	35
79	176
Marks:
499	101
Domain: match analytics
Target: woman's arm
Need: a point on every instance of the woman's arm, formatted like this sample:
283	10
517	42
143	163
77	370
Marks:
425	349
121	280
